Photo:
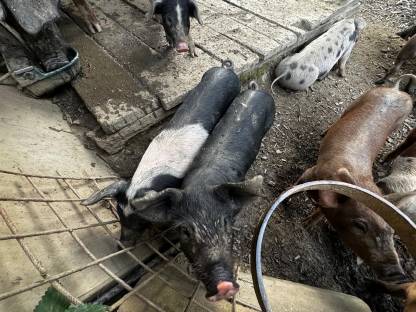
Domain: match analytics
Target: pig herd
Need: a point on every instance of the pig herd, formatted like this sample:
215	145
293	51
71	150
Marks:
192	174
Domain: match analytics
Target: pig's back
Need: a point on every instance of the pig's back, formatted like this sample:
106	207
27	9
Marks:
235	142
362	131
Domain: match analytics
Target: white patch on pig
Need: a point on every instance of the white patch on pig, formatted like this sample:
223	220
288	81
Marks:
178	11
179	26
301	70
170	153
403	175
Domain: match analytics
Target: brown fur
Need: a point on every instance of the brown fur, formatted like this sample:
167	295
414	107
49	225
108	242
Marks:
347	153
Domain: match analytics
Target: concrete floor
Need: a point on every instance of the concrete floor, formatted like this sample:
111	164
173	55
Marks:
284	296
35	138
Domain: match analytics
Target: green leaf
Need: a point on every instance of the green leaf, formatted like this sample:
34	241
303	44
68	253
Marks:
52	301
87	308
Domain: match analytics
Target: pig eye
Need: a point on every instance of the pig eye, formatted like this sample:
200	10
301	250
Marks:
361	225
186	233
169	21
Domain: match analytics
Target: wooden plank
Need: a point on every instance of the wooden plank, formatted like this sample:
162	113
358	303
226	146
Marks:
220	32
261	36
175	75
115	142
170	78
301	16
133	20
114	97
208	39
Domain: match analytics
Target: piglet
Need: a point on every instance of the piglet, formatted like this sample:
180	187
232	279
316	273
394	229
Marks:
175	15
407	53
214	192
171	153
347	153
315	61
402	177
405	201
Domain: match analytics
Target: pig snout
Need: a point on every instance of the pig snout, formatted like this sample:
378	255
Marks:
182	47
225	290
391	273
220	283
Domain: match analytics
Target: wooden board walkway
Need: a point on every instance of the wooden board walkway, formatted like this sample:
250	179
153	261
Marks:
130	79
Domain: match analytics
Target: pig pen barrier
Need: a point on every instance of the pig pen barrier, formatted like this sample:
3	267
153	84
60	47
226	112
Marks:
54	279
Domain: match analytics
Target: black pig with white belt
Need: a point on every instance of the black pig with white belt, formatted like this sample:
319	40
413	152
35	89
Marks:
172	152
175	18
214	191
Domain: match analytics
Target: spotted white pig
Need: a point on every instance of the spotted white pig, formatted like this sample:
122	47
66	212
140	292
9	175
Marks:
315	61
171	153
402	177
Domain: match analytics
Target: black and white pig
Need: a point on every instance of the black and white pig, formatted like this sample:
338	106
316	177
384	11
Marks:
214	191
171	153
175	15
316	60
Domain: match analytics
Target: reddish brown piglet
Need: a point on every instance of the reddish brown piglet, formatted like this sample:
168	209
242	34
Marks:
347	153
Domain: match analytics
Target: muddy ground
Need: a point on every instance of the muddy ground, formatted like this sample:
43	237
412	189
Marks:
314	256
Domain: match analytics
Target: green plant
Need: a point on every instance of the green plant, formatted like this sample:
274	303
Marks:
53	301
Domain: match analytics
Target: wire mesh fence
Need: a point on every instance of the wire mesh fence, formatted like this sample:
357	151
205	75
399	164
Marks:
37	195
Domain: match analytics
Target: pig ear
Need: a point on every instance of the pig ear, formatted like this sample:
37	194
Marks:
344	175
308	175
240	192
155	8
157	207
329	199
113	190
194	11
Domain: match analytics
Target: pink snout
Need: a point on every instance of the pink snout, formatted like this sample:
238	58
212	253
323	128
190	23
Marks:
226	290
182	46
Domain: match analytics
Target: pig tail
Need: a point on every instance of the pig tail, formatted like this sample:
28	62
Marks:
410	76
252	85
275	80
228	64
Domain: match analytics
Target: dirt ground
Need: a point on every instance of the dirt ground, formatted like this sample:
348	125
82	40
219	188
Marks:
314	256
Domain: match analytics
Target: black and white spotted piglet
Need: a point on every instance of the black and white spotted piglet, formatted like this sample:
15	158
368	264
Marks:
214	191
175	17
315	61
171	153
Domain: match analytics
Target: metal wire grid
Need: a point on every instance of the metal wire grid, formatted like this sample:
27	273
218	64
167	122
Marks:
53	280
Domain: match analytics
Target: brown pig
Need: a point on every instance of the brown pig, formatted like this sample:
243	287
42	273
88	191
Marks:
347	153
402	177
407	53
